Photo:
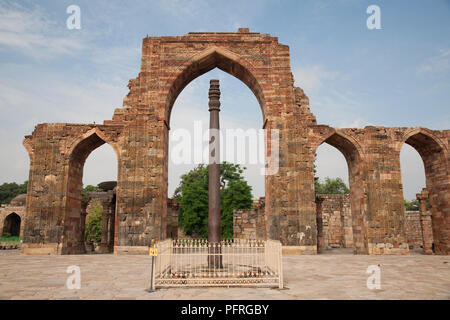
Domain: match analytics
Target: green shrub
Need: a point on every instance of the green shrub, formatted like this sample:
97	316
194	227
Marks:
9	238
9	190
93	230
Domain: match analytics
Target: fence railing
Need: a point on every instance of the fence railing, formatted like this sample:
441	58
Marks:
196	262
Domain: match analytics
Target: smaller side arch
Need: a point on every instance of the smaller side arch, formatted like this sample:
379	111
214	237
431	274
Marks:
12	224
435	157
421	139
347	145
353	153
93	138
74	218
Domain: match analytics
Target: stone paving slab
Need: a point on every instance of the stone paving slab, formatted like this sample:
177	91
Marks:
340	276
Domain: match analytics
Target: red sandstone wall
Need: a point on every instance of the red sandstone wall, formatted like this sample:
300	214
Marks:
139	134
414	230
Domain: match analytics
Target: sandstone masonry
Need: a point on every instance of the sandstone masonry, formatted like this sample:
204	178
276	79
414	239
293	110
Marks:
139	133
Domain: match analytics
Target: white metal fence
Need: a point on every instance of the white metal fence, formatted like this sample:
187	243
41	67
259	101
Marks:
228	263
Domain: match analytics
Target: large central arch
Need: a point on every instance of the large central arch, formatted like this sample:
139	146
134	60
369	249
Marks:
198	65
263	64
206	61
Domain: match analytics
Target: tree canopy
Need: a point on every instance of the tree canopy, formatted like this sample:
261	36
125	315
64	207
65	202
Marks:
412	205
10	190
331	186
88	188
192	195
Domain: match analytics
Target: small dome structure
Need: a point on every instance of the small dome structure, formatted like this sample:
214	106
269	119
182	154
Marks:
19	200
107	185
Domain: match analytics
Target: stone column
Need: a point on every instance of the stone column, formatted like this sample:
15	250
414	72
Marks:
111	220
105	218
425	222
111	223
81	243
386	231
320	233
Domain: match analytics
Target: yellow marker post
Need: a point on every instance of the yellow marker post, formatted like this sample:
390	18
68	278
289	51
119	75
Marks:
153	252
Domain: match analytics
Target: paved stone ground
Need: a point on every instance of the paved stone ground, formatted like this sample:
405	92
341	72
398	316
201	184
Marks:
327	276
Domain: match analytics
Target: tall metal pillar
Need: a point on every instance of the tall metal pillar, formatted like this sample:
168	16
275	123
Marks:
214	229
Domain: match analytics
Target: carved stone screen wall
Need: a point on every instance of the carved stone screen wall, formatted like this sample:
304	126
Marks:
138	133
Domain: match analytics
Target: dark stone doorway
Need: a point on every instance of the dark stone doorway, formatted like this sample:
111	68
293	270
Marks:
12	225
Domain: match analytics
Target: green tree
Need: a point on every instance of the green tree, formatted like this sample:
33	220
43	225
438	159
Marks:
10	190
411	205
192	195
88	188
331	186
93	230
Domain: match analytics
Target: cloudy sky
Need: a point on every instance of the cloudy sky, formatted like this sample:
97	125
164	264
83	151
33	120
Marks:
396	76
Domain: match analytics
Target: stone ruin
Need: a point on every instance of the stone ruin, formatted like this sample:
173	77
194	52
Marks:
12	216
104	196
139	134
334	224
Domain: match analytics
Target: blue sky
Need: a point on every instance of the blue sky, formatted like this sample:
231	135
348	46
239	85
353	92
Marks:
396	76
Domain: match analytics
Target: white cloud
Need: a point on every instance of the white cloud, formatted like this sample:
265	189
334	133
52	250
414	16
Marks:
311	79
184	8
357	123
437	64
330	100
32	101
31	32
15	165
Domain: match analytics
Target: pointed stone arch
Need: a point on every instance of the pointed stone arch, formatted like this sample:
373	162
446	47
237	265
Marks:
96	136
12	224
435	158
79	150
207	60
354	156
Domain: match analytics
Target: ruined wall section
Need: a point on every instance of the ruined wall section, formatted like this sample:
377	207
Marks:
250	223
54	185
375	182
385	206
414	230
433	147
6	210
337	220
